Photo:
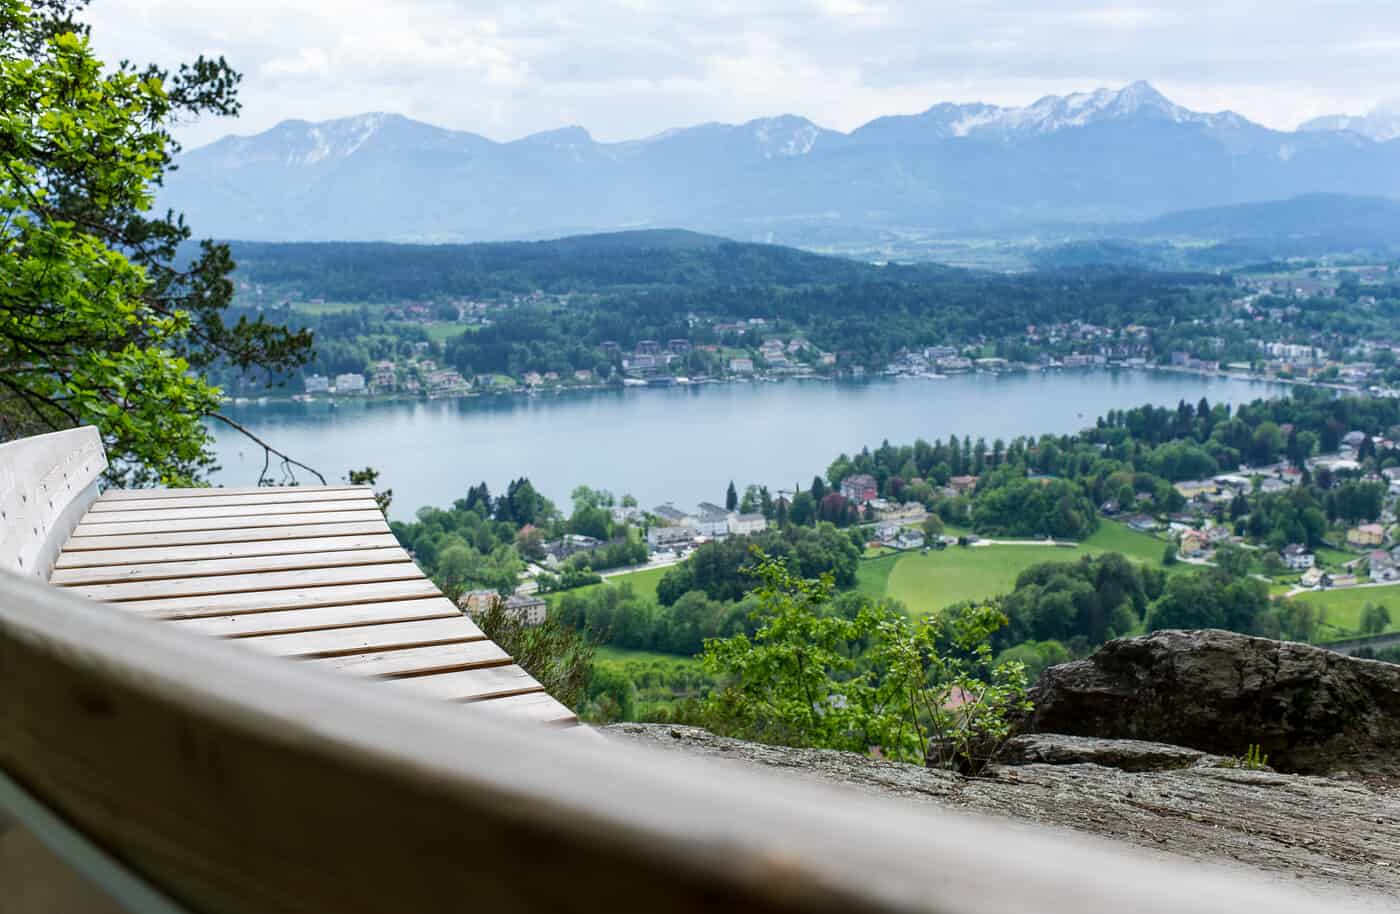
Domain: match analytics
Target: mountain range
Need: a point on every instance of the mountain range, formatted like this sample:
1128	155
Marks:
1096	157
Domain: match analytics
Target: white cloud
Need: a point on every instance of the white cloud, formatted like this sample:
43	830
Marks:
630	68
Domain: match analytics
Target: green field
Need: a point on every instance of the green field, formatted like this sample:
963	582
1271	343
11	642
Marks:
926	583
1340	610
1115	537
643	582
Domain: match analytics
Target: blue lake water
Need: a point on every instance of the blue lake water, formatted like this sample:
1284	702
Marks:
681	444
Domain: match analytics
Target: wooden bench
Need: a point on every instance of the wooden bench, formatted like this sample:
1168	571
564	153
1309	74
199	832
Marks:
311	573
184	772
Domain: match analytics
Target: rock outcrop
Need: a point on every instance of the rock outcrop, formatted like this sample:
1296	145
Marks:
1336	838
1123	754
1311	711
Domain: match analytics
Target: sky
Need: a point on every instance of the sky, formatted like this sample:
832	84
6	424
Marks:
626	69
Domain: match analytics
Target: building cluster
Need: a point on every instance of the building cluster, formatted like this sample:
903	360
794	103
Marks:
707	522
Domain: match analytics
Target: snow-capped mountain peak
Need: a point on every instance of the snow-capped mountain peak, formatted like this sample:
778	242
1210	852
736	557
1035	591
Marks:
1059	112
784	136
1382	124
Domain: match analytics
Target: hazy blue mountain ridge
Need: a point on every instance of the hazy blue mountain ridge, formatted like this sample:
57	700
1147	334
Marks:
1102	156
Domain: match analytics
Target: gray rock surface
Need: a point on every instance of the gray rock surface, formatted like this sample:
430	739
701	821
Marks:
1123	754
1335	837
1311	710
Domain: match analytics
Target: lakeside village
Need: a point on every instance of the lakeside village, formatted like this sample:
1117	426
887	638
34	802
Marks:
1267	312
1367	554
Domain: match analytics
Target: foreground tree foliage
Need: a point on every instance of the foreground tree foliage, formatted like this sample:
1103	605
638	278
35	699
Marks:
862	679
100	322
560	658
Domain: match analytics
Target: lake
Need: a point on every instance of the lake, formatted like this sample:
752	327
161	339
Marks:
681	444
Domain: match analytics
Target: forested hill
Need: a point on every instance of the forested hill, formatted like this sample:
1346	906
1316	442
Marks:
377	272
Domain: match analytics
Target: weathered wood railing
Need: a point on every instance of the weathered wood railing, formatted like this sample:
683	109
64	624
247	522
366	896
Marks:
236	783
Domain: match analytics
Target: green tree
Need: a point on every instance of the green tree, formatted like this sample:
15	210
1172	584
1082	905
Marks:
933	526
1375	618
1233	560
793	682
731	497
100	322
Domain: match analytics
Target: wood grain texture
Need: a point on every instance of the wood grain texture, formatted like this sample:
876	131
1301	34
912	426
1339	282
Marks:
204	492
320	618
271	582
275	600
245	535
90	529
243	784
420	661
471	685
362	639
212	498
47	483
159	570
309	546
210	511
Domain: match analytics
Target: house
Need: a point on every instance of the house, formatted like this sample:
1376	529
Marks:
1272	485
712	522
1382	567
1196	488
1193	544
1366	535
1296	557
626	514
910	539
1109	508
476	602
1353	439
962	485
385	377
741	366
1344	580
1218	534
351	382
1143	523
583	375
673	515
316	383
1316	577
661	537
747	524
860	488
529	609
888	533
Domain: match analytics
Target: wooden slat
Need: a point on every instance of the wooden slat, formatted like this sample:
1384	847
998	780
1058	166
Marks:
139	494
363	639
321	618
418	661
89	529
270	582
310	546
374	527
108	505
472	685
208	511
539	707
274	600
157	571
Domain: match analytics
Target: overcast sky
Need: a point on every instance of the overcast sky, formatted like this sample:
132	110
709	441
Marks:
630	68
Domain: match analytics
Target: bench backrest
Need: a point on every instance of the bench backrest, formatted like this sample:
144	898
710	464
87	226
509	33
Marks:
47	483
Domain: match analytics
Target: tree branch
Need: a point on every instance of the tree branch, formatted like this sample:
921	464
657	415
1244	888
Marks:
267	449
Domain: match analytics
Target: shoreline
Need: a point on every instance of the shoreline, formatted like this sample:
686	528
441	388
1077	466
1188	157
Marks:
869	378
